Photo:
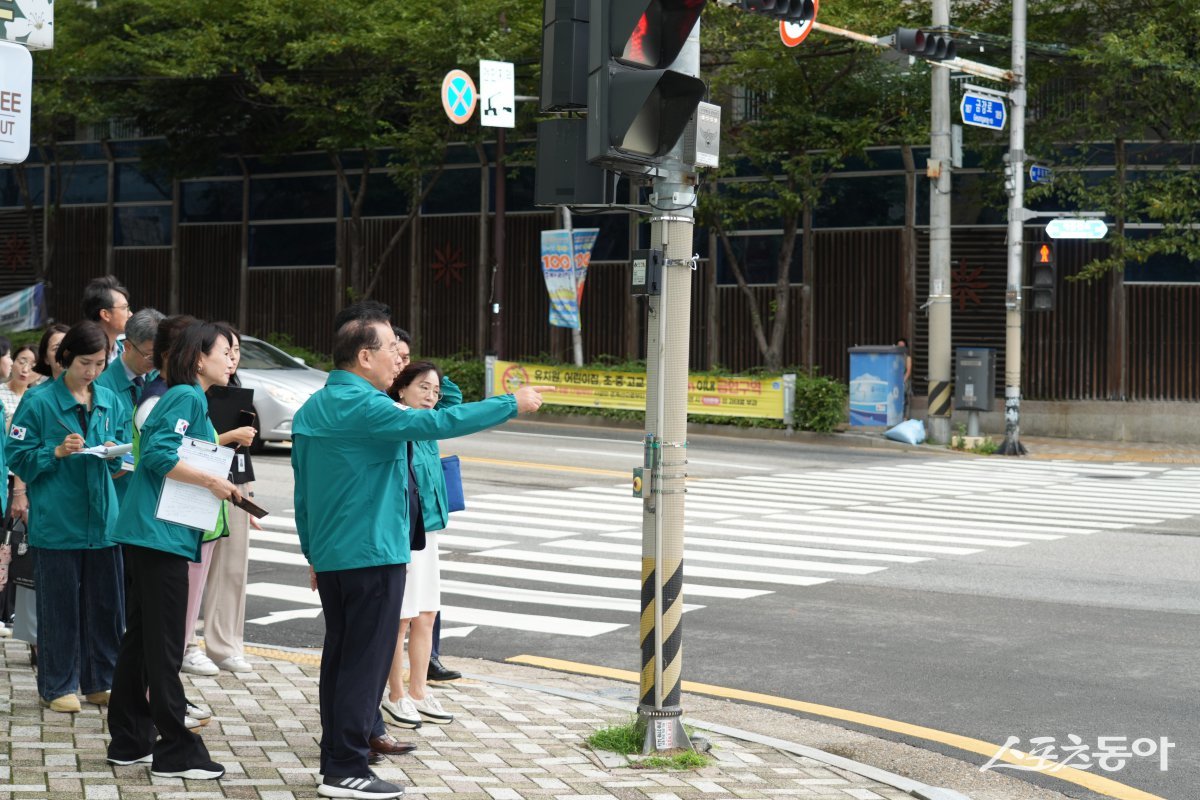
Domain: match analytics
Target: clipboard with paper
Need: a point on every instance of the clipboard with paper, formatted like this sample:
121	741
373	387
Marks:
185	503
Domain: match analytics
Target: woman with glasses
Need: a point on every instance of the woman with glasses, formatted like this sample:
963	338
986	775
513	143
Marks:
421	386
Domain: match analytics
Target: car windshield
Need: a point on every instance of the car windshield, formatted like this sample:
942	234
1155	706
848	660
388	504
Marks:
260	355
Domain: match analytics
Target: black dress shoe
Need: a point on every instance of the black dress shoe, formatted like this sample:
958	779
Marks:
439	673
386	745
375	759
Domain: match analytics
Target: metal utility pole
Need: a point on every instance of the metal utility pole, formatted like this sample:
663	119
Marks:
669	331
1013	298
940	331
498	248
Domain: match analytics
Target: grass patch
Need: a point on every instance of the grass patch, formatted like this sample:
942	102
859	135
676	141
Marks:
627	740
624	739
685	759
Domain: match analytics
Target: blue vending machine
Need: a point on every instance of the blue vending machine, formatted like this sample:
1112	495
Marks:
877	386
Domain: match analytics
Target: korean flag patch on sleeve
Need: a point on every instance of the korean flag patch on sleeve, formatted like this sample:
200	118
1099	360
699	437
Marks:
17	433
181	426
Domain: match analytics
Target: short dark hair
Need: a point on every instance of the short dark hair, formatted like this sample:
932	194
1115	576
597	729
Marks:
5	346
353	337
402	335
168	330
21	348
83	339
229	330
372	310
193	342
98	296
410	374
42	367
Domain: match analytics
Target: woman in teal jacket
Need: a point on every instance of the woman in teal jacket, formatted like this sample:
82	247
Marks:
421	386
72	509
157	553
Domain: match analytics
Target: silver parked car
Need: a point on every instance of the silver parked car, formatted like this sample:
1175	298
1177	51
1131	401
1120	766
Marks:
281	384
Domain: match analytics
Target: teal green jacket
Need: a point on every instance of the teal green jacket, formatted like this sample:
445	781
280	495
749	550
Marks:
349	456
72	504
114	379
427	466
183	410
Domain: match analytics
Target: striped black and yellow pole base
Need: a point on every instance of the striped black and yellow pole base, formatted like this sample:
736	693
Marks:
659	710
940	395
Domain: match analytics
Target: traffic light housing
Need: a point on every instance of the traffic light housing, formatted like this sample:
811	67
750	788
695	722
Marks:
794	11
1043	280
929	45
638	105
564	55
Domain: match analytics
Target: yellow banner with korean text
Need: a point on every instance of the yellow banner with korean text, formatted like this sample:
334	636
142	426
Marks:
763	397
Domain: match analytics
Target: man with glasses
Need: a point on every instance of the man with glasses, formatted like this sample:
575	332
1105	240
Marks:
128	375
106	301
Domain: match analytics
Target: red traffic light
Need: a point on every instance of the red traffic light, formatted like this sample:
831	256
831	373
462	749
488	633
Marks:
1045	255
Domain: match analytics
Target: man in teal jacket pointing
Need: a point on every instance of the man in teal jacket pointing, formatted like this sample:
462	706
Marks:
349	454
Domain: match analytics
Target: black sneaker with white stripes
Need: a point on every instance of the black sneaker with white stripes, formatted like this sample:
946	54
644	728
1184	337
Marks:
208	771
368	788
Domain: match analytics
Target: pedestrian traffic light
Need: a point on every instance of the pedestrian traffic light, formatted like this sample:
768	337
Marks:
1042	294
925	44
638	103
797	12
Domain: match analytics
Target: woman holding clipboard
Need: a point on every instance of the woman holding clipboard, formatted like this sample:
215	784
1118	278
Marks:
157	554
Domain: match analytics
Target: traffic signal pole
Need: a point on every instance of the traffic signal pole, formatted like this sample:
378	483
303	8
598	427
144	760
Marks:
940	331
1013	299
669	331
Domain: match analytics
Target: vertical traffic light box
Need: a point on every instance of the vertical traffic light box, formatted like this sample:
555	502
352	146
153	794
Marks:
1042	278
638	103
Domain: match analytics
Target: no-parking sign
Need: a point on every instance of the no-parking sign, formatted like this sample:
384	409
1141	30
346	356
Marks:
459	96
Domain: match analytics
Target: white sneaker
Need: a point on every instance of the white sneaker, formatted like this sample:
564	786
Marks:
196	663
431	710
196	712
235	664
5	631
402	713
191	723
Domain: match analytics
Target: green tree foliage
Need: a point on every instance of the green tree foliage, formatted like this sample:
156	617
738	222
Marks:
794	117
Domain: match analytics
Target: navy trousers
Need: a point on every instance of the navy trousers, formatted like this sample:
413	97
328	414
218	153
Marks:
362	621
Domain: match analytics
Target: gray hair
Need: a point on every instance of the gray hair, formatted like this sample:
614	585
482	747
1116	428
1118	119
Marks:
143	325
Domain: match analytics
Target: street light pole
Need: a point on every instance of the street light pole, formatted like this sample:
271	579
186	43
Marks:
940	330
1013	298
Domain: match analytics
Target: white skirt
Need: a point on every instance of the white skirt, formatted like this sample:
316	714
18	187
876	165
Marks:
423	584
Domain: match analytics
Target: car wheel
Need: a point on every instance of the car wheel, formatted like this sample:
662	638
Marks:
258	445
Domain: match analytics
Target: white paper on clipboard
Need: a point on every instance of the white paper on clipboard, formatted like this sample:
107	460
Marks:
186	503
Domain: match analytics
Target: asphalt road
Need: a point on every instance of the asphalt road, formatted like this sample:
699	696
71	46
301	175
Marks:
1061	633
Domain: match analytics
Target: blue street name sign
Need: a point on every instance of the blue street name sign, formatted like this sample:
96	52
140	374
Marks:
1038	174
983	112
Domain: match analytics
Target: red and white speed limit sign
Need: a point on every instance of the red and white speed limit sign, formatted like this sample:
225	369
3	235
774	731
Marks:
793	34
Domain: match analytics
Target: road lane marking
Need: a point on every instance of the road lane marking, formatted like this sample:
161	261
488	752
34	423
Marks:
594	581
500	462
1096	783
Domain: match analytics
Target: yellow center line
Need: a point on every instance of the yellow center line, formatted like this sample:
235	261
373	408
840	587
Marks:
1046	766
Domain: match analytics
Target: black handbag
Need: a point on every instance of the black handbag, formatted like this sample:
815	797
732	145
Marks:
20	570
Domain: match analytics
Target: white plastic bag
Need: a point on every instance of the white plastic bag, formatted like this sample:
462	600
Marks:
911	431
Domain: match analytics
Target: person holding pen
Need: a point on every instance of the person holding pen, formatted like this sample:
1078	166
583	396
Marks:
157	553
72	510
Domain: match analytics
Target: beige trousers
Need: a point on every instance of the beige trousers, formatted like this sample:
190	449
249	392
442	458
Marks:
225	593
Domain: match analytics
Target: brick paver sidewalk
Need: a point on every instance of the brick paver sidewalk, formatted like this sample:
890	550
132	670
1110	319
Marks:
507	743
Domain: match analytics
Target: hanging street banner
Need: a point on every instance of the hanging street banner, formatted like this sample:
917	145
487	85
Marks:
565	258
22	311
761	396
29	22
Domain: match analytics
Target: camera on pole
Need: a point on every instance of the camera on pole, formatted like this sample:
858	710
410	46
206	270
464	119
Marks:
1042	291
930	45
638	105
